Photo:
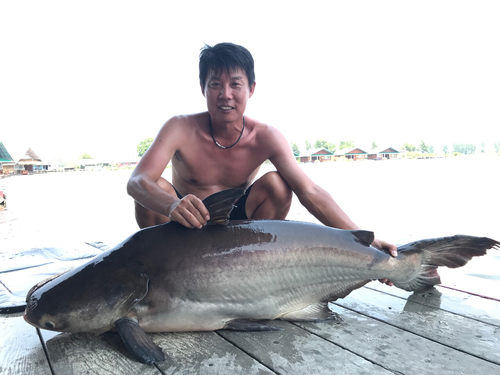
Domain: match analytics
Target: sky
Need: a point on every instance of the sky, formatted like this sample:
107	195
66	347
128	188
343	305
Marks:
98	77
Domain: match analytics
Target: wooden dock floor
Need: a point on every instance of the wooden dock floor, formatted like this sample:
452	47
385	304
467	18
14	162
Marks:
383	330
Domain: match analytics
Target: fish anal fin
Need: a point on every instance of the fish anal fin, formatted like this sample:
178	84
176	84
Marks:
363	237
249	325
317	312
344	289
220	205
138	343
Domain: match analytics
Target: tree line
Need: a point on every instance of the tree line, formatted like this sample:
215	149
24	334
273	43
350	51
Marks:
461	148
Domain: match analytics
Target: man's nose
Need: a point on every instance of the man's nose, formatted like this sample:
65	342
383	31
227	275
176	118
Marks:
225	92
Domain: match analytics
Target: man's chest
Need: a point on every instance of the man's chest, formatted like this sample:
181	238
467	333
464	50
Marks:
221	168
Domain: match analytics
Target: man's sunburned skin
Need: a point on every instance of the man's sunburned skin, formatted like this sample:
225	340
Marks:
201	169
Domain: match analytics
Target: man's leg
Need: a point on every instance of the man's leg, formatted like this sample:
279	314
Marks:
270	198
147	218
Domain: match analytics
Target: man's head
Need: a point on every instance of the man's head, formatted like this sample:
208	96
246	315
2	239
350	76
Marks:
228	57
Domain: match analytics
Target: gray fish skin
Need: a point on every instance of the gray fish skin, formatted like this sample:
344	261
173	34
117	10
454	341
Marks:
170	278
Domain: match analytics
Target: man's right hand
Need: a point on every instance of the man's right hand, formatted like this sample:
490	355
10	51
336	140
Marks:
190	212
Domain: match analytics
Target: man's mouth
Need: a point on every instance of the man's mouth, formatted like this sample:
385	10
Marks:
225	108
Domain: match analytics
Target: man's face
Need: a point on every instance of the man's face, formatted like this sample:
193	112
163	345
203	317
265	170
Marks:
227	94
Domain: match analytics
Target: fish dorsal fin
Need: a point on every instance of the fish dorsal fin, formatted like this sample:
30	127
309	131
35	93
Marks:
364	237
220	205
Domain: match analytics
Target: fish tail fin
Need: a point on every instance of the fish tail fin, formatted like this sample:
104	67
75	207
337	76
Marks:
451	252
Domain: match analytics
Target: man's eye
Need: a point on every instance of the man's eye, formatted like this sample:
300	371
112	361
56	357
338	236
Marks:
214	84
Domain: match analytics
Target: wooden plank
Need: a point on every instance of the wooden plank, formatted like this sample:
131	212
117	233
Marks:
395	349
458	332
186	353
481	285
22	351
460	303
10	303
205	353
81	353
295	351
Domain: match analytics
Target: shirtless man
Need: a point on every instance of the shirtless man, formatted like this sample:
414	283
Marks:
221	149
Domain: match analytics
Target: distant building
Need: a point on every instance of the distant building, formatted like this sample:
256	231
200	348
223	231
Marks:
7	163
32	162
383	153
318	155
354	153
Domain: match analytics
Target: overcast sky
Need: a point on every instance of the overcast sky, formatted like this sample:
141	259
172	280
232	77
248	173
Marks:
99	76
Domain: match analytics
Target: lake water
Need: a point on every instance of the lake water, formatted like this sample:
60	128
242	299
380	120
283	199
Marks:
401	200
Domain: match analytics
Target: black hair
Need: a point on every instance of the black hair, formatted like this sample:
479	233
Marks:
226	56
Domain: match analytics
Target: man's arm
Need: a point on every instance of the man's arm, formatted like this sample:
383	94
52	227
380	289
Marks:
316	199
143	183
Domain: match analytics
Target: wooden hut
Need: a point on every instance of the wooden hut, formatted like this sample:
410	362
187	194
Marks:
318	155
386	153
354	153
31	161
6	161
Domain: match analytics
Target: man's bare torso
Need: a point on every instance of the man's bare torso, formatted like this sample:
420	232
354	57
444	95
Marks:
201	168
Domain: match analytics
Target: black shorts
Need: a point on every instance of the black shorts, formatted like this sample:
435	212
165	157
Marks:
239	212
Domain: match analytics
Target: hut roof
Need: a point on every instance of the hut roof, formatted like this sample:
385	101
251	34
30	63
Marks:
317	152
4	154
30	158
351	151
384	150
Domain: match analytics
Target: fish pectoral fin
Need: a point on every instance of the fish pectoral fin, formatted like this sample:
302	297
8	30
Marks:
220	205
138	343
249	325
317	312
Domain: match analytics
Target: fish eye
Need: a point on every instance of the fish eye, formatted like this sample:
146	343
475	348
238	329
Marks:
50	325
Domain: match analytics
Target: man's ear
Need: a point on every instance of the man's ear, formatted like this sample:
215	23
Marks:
252	89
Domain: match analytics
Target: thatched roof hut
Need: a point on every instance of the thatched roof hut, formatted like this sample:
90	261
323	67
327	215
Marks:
30	158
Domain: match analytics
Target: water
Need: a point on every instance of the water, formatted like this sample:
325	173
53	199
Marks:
401	201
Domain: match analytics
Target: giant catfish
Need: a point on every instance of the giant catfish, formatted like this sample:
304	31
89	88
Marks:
230	276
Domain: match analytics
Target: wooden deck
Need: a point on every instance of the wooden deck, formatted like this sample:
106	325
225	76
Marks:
384	331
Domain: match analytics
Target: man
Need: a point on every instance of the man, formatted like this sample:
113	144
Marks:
221	149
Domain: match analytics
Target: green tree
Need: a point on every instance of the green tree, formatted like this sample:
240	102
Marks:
143	146
423	147
409	147
464	148
308	145
346	144
295	149
497	147
86	156
445	149
321	143
374	145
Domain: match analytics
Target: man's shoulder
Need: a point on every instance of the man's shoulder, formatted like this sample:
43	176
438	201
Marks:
265	133
262	128
184	122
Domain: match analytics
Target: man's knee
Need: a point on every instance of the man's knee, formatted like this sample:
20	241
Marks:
278	188
270	198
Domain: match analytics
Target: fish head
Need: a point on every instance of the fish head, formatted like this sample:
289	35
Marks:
86	299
